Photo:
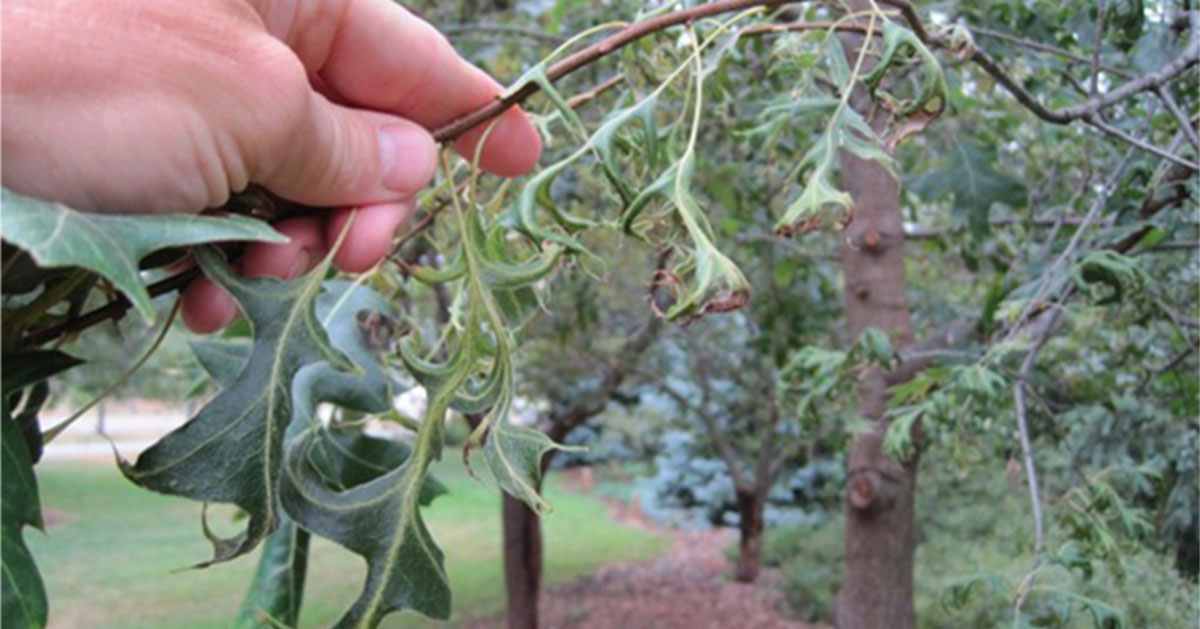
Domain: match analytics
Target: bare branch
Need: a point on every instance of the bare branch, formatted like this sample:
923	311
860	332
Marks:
1039	526
1185	125
1040	47
710	422
583	98
1095	121
1044	286
1091	106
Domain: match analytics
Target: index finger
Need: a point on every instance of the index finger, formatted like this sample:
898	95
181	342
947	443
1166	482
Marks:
380	56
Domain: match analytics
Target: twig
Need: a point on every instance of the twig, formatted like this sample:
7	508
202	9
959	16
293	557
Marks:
1023	428
602	48
1174	246
757	30
1091	106
1170	364
584	98
1047	48
1086	109
50	434
112	310
1101	199
1095	121
1185	125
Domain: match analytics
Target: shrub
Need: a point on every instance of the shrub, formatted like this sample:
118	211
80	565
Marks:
974	551
689	488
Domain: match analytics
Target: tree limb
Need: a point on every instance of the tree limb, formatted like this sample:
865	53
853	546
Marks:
710	422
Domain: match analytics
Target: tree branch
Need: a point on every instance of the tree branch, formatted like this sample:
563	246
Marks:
1096	121
1039	527
1040	47
598	50
1087	110
710	422
1091	106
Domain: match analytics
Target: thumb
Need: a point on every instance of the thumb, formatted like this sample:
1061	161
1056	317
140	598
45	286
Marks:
340	156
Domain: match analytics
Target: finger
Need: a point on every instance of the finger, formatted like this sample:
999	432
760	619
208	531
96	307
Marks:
370	236
380	56
303	250
207	307
343	156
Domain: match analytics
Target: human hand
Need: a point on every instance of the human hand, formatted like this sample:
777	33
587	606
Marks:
168	105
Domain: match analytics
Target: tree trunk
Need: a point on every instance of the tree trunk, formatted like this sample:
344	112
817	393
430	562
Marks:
522	526
877	590
750	508
523	550
522	562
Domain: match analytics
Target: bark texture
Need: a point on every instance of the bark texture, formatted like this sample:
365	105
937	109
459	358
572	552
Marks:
522	563
750	509
522	527
878	587
877	590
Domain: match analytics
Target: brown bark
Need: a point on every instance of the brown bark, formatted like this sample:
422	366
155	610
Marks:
750	508
878	585
522	526
522	562
877	590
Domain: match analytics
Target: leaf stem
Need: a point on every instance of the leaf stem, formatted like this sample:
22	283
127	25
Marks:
49	435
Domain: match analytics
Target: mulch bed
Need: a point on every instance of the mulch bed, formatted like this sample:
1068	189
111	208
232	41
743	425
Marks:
687	588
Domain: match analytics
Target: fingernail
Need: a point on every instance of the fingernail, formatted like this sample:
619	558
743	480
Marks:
407	157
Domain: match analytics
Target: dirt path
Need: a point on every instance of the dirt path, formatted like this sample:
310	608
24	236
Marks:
687	588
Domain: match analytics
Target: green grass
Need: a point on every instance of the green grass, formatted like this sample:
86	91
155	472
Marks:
113	554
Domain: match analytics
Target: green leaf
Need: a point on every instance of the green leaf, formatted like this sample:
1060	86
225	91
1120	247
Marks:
231	451
340	456
221	360
514	455
360	492
24	596
345	457
968	175
112	245
379	520
715	284
821	202
933	83
277	590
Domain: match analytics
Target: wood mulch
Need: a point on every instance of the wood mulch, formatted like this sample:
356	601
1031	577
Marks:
687	588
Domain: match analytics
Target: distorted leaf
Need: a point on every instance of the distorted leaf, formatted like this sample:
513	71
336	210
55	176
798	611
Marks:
231	451
110	244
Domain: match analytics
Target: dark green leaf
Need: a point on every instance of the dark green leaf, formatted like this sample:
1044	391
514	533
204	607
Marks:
231	451
24	597
112	245
278	586
221	360
342	456
514	455
968	174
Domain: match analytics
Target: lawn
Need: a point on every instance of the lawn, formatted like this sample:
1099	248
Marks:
114	553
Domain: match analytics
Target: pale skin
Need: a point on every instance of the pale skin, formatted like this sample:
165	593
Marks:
170	105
